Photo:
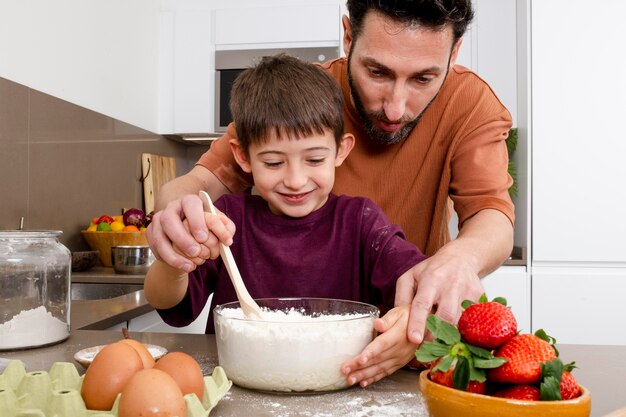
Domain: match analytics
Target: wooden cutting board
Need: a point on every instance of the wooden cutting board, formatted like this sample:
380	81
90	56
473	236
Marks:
156	171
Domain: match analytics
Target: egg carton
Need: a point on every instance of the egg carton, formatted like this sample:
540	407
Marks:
56	393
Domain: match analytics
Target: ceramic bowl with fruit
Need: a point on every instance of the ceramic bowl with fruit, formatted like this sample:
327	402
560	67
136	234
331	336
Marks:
106	231
485	367
442	401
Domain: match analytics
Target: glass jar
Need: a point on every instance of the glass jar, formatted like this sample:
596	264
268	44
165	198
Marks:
35	286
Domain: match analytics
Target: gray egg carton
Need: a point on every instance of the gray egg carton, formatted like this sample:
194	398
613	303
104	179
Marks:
56	393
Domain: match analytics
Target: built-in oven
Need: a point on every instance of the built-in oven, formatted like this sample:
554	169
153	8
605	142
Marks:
229	64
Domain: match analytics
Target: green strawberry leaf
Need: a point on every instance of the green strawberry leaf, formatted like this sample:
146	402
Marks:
544	336
550	389
479	352
477	374
461	373
570	367
445	364
483	298
442	330
466	304
553	368
489	363
500	300
430	351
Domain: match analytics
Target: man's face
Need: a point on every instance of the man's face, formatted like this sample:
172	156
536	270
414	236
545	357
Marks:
395	72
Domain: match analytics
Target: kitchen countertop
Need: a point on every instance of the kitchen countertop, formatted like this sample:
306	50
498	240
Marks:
105	275
397	395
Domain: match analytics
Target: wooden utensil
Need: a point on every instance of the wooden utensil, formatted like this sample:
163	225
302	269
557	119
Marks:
248	305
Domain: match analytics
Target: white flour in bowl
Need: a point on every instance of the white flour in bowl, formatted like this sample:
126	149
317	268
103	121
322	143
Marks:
290	351
35	327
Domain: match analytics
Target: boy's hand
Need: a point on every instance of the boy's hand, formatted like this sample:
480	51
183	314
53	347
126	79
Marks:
388	352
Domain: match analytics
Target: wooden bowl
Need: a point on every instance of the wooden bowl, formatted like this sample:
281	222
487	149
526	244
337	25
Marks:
103	241
442	401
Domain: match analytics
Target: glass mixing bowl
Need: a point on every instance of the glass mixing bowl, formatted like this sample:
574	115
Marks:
299	344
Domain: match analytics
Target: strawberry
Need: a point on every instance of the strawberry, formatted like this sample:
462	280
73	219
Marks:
520	392
487	324
557	381
455	363
569	387
524	354
446	378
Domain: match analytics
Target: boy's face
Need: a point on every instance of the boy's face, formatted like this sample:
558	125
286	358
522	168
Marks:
294	176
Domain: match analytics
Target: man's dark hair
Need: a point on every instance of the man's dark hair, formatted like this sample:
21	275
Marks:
433	14
290	96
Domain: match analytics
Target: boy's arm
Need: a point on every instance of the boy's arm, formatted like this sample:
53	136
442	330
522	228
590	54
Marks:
164	286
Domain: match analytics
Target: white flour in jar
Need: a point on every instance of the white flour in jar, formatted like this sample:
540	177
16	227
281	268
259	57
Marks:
33	327
289	351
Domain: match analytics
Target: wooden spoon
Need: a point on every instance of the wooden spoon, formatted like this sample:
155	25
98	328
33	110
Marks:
248	305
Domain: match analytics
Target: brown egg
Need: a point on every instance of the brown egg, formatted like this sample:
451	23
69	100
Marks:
144	353
111	368
185	371
151	392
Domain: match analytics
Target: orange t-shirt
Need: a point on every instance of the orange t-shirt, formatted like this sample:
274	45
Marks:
456	150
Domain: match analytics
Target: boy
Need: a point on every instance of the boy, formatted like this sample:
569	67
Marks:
294	237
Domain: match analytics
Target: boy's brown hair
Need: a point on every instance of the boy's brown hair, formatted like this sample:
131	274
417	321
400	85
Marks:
293	97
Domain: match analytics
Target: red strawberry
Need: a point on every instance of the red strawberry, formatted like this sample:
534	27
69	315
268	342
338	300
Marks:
445	378
569	387
557	382
524	354
487	324
520	392
454	363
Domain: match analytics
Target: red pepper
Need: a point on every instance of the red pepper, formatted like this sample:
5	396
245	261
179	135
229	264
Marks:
106	219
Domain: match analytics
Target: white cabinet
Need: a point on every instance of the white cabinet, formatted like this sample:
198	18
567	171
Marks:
578	90
580	305
101	55
187	67
284	26
512	283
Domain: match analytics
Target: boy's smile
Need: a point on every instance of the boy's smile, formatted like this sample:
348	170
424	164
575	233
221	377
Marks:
294	175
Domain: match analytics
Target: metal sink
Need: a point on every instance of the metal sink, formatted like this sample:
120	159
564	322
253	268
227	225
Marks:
100	291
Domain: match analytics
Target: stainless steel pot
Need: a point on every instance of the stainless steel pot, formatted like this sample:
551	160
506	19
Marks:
131	259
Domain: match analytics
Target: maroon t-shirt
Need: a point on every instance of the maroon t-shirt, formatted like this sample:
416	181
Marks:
346	250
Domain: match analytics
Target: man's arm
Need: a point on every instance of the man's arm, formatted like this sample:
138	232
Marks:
176	201
453	274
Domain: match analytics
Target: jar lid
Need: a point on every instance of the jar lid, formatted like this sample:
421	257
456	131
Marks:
30	233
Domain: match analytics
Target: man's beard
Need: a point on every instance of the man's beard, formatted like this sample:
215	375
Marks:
374	132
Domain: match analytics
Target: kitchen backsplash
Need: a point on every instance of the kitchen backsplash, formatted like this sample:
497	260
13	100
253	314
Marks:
61	164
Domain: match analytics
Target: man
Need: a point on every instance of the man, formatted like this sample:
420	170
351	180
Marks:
426	131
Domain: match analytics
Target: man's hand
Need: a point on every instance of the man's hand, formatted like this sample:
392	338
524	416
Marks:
178	229
442	282
196	233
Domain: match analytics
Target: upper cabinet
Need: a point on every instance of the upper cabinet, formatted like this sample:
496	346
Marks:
278	26
100	55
